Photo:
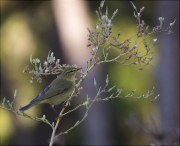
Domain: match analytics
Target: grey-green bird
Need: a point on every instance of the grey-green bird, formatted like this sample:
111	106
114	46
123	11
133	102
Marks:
58	91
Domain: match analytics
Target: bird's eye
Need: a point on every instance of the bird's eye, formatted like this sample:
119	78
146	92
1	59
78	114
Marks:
70	73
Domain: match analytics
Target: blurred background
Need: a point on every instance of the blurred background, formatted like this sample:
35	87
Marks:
35	27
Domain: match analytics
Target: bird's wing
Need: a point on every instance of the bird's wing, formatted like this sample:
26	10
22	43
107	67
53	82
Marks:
51	91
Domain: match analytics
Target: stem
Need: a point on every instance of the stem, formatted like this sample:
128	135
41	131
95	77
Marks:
59	119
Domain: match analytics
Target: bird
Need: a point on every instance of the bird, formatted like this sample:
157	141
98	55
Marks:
57	91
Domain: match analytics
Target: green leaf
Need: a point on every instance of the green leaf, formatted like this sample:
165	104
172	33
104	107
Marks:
171	24
48	55
86	115
134	6
87	98
150	58
52	124
95	84
110	89
44	117
31	59
10	106
102	3
155	98
99	91
106	11
111	95
40	68
144	59
147	95
15	93
119	92
4	99
107	80
36	68
86	103
76	123
128	95
106	98
142	96
147	49
37	60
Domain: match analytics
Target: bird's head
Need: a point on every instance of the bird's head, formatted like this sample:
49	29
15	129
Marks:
70	73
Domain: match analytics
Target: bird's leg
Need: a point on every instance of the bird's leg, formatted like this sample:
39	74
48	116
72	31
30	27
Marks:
56	112
54	109
64	106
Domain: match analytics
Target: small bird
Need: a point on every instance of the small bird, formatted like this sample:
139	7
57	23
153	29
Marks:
58	91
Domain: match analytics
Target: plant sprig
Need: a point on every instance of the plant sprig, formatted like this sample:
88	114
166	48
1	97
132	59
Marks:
106	46
7	105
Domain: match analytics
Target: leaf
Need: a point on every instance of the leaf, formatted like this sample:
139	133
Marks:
142	96
99	91
52	124
106	11
37	60
76	123
95	83
10	106
31	59
4	99
107	80
86	115
87	98
150	58
111	95
147	27
171	24
147	49
134	6
106	99
110	89
15	93
147	95
102	3
155	98
128	95
119	92
40	68
44	117
48	56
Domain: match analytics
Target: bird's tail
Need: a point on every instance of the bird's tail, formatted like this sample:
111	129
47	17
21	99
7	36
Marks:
24	108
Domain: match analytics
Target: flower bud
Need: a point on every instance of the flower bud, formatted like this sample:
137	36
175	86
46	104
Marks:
52	54
141	9
155	40
97	27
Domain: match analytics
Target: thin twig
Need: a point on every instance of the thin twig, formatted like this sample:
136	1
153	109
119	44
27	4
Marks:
59	119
